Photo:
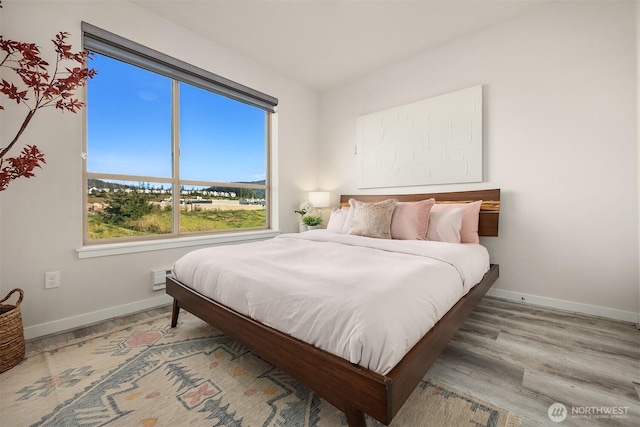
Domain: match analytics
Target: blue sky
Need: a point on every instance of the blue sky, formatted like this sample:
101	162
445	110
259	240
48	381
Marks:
129	128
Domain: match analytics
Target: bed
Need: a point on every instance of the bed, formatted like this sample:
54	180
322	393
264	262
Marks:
377	389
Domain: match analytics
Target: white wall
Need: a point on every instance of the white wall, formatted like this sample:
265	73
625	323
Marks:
41	218
638	127
560	141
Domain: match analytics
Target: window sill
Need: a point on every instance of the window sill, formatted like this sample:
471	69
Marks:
95	251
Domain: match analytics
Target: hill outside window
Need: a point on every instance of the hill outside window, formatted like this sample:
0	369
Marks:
171	149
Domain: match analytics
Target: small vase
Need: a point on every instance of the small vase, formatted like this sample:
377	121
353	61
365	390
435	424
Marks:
311	227
301	227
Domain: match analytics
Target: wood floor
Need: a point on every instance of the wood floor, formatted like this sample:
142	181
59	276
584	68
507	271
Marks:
525	358
522	358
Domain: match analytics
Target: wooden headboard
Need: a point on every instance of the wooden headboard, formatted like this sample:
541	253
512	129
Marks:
489	212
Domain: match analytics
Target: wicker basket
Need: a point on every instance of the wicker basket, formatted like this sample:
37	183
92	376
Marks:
11	333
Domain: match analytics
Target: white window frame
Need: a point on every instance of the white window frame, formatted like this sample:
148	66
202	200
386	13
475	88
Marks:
106	43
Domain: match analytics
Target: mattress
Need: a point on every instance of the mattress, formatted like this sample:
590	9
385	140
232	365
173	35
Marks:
366	300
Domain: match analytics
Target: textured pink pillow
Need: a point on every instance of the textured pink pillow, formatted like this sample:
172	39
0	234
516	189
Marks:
372	219
411	219
470	219
337	219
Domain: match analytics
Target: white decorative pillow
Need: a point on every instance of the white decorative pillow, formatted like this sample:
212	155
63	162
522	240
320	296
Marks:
372	219
337	219
350	211
470	219
445	225
410	220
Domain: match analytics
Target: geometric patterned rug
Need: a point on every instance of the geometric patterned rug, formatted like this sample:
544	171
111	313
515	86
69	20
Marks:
149	374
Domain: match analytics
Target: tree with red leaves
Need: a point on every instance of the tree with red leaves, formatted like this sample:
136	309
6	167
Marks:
38	88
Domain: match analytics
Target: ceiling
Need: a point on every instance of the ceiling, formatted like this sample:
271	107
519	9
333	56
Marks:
323	43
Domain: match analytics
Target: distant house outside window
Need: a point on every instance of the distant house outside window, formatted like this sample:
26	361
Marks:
167	157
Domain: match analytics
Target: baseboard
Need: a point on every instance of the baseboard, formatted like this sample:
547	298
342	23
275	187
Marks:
87	319
575	307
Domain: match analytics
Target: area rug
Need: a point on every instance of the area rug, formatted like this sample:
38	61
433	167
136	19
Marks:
149	374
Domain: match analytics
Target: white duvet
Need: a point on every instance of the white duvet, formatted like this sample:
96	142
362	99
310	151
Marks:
366	300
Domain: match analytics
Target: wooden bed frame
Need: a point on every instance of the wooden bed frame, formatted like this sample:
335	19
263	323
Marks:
351	388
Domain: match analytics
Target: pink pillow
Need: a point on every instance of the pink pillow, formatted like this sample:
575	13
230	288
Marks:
337	219
411	219
470	219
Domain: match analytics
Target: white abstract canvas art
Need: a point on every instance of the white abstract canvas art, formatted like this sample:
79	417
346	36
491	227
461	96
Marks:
434	141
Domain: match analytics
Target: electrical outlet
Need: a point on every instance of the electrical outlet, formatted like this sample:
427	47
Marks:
159	278
51	279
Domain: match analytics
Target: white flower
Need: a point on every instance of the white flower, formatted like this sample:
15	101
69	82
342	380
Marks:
304	208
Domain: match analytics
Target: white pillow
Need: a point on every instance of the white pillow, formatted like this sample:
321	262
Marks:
445	225
337	219
470	219
350	212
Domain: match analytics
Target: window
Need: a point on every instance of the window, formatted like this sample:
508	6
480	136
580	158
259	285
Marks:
171	149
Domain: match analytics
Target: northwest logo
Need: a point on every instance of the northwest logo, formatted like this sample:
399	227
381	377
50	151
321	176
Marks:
557	412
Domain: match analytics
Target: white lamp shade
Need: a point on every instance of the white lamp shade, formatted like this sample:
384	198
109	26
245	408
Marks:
320	199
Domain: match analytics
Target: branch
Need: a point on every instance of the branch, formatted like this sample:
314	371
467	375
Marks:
41	89
26	121
5	59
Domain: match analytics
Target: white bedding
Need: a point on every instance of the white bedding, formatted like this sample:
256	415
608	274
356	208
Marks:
366	300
